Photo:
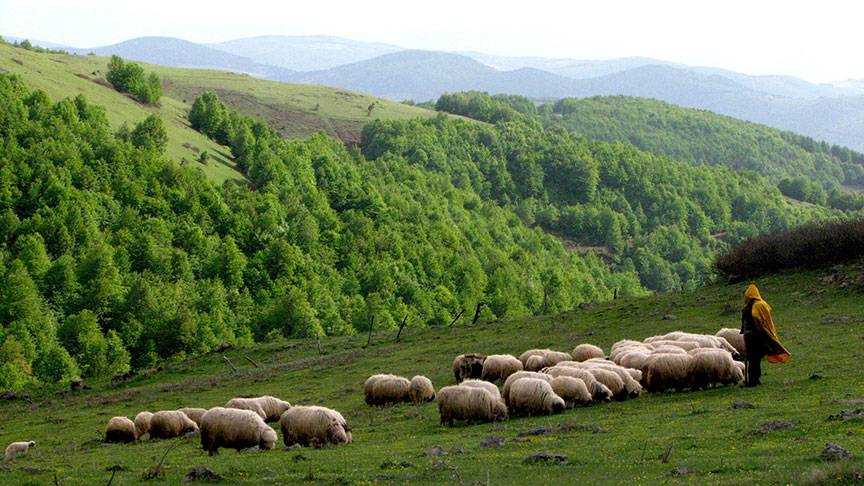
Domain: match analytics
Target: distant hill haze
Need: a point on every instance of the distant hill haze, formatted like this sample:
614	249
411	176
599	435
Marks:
831	112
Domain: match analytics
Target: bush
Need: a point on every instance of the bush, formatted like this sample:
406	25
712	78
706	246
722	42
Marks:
129	77
54	365
810	246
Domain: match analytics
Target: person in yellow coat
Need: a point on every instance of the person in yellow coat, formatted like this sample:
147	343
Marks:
760	336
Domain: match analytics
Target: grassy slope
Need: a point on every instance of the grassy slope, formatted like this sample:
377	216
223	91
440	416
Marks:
616	442
289	108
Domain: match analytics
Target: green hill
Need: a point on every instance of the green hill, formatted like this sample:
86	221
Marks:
702	137
694	437
294	110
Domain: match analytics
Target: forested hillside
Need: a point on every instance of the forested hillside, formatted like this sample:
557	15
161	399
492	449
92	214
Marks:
113	257
702	137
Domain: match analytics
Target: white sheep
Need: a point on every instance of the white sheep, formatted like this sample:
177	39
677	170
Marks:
498	367
505	391
142	423
121	429
533	396
269	408
235	429
194	414
572	390
485	385
15	449
584	352
470	404
386	389
313	425
420	389
665	371
167	424
599	391
735	338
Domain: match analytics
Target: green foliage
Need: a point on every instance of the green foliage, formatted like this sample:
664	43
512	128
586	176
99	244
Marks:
803	189
54	365
150	134
129	77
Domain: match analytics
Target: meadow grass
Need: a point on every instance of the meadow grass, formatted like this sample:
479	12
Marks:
691	437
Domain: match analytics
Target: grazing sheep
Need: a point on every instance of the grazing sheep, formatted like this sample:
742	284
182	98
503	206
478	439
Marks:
628	376
533	396
634	360
668	349
624	346
505	391
468	366
683	344
142	423
15	449
572	390
586	351
194	414
167	424
535	363
314	425
235	429
121	429
470	404
386	389
420	389
269	408
531	352
611	380
498	367
734	338
665	371
484	385
712	367
599	391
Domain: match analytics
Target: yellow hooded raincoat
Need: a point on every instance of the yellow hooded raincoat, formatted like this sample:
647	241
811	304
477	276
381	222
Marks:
776	352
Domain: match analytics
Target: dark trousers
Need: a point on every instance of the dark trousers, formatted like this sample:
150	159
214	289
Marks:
755	351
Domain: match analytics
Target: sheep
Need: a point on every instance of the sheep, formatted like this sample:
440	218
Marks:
485	385
166	424
235	429
572	390
121	429
629	377
533	396
683	344
623	346
599	391
498	367
535	363
734	338
586	351
269	408
420	389
142	423
386	389
194	414
668	349
611	380
665	371
528	354
470	404
634	360
15	449
505	392
710	367
468	366
314	425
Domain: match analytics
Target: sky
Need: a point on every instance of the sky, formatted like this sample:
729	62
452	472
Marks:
819	42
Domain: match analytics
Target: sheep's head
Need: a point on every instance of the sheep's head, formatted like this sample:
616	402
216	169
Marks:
557	405
268	439
32	443
282	407
189	426
336	434
499	411
601	392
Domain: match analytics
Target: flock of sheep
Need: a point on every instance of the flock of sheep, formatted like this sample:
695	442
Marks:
538	382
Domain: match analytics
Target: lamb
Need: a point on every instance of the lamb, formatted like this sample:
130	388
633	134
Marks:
586	351
734	338
533	396
599	391
520	374
485	385
142	423
121	429
710	367
572	390
498	367
15	449
235	429
470	404
194	414
314	425
167	424
468	366
420	390
665	371
386	389
269	408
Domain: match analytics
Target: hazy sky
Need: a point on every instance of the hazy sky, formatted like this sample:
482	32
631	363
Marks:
818	41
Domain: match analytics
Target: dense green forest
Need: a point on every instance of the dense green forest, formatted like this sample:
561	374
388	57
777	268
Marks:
803	168
115	258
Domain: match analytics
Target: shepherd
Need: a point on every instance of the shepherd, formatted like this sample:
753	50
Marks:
760	336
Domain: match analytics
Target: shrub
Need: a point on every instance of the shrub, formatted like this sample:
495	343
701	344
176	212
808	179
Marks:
809	246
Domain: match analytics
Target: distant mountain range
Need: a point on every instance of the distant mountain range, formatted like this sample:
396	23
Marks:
832	112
